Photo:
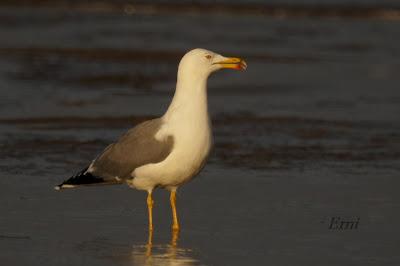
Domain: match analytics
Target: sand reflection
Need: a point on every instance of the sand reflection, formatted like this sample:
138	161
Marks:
162	254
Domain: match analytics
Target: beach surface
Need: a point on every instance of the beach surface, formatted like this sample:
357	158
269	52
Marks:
308	135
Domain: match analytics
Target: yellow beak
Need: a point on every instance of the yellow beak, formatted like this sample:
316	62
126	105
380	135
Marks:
233	62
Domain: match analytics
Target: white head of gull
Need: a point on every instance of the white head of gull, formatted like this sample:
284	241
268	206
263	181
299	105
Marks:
167	151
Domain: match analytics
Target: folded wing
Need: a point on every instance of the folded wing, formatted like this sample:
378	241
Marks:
135	148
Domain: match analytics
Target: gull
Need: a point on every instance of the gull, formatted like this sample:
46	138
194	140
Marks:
167	151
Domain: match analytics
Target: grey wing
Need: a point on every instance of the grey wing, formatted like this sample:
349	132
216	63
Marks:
134	149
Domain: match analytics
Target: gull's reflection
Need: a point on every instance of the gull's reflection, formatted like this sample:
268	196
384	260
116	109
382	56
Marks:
167	254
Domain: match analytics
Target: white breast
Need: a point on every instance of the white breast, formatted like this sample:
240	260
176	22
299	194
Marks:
192	147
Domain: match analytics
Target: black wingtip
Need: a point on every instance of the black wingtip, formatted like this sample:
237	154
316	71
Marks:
83	178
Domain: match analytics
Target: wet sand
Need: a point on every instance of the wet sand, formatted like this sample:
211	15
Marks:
310	132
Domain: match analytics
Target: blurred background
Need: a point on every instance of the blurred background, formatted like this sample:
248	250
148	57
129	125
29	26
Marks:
309	132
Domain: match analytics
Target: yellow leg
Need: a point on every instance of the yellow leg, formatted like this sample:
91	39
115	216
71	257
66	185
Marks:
174	238
150	203
175	225
149	244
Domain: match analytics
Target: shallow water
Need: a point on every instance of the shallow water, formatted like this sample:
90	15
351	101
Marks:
309	132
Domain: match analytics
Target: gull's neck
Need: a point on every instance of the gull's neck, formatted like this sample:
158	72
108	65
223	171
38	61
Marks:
190	99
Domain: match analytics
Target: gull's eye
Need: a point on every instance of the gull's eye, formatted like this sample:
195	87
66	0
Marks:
208	56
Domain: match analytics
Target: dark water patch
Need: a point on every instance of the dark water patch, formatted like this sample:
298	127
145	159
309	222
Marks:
77	68
293	156
250	118
268	58
381	100
100	247
40	156
102	54
312	32
282	11
351	47
80	103
48	147
16	20
134	80
74	122
18	237
247	140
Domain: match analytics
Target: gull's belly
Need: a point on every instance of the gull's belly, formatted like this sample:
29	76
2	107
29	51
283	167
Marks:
191	156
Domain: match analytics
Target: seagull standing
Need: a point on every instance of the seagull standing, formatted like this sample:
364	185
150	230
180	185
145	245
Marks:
167	151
